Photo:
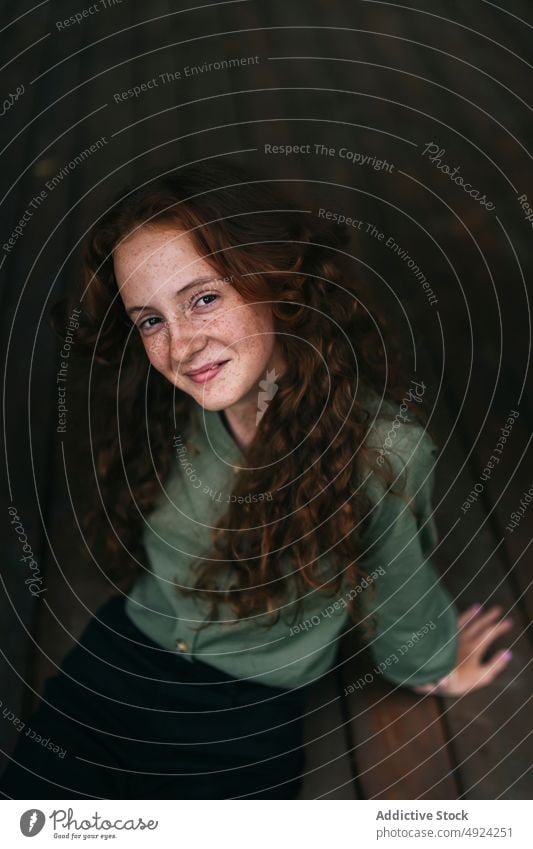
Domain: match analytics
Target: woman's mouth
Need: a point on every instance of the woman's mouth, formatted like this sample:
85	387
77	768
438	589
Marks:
207	373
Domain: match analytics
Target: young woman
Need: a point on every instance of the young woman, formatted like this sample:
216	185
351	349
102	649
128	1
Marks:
265	475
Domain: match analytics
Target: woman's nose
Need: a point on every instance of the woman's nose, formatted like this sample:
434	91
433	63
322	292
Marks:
184	343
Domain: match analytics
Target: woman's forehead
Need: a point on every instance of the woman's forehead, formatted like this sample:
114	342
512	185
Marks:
157	249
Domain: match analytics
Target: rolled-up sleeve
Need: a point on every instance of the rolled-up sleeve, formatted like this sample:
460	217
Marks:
416	639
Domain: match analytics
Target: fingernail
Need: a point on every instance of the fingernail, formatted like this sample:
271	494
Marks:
508	654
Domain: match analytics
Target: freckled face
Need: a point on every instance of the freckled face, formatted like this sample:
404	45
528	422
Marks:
185	327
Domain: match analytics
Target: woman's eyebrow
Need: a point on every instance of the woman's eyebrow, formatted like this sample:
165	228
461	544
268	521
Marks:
197	281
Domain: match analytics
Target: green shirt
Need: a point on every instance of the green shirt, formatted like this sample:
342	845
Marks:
416	633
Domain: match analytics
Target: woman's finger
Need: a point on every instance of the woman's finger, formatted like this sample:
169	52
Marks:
491	633
480	622
494	666
468	614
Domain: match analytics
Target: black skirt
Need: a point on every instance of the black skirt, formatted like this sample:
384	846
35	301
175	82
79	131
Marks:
125	719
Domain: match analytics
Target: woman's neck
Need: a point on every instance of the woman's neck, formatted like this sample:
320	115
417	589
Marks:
240	431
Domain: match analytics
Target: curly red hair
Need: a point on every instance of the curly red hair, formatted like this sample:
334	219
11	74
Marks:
337	346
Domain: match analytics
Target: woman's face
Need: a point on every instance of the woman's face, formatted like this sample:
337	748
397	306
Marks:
189	317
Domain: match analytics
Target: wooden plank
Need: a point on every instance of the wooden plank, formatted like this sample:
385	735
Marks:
328	773
183	110
489	730
399	742
489	727
503	459
481	738
506	494
505	484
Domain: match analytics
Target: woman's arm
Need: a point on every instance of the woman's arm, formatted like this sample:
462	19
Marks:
416	639
421	642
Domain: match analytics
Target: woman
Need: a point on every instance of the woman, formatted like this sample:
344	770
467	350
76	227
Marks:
264	476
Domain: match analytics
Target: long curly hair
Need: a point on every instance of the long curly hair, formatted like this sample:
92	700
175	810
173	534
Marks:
338	349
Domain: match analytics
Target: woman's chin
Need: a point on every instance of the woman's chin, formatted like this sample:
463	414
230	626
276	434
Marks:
212	400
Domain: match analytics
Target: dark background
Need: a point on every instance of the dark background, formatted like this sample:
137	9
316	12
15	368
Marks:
381	79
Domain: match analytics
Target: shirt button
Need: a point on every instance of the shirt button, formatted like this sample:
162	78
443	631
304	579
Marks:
182	645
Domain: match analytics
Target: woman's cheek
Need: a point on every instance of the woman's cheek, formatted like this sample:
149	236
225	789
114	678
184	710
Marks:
156	347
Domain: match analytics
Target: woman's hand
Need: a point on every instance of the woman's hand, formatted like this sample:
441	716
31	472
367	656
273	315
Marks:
477	631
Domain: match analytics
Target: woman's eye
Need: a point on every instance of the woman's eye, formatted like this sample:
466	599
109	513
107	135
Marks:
203	297
145	325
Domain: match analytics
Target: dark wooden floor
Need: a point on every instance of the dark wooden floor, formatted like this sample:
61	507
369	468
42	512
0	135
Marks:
377	79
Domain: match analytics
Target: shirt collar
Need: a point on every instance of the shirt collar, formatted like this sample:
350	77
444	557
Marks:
213	429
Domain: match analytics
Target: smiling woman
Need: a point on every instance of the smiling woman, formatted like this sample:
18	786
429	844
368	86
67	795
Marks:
230	325
194	324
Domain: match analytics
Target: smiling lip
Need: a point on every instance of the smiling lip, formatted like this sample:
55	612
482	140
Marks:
207	372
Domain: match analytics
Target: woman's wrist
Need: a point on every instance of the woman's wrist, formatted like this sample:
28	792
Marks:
436	687
443	682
